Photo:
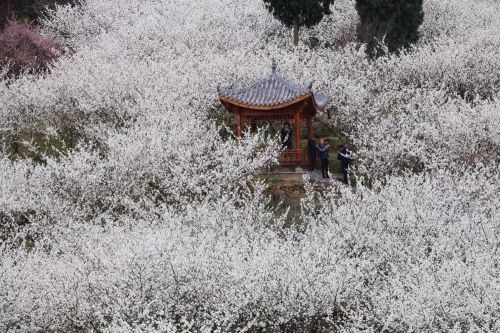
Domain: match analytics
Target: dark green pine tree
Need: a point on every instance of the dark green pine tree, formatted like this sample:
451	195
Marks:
298	13
396	20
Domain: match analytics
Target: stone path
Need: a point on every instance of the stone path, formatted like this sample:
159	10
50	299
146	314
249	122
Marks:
317	177
295	176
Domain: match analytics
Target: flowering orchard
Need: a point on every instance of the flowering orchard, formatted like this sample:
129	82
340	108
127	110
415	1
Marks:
125	207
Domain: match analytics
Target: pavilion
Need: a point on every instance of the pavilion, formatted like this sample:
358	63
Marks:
275	99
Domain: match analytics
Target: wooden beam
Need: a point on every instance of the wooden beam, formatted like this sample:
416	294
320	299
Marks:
301	100
277	115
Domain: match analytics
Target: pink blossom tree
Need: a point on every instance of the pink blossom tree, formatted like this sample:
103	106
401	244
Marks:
24	48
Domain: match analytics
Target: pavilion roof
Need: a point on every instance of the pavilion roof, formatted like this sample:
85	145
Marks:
271	90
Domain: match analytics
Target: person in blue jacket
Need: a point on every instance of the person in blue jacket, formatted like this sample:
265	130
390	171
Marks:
324	152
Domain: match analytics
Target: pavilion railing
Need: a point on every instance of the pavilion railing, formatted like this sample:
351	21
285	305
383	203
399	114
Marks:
294	157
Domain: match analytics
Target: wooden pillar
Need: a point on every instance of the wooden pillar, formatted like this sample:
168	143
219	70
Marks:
309	128
297	131
239	125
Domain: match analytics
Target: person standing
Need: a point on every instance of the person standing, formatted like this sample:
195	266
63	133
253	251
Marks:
324	152
345	157
286	136
312	149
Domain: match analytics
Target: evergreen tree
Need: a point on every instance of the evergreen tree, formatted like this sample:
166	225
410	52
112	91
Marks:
394	21
297	13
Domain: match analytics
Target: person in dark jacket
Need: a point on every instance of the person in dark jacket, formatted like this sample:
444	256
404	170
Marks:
312	148
286	136
324	152
345	157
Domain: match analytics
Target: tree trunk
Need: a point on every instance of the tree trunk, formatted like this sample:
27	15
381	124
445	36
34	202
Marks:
296	32
4	12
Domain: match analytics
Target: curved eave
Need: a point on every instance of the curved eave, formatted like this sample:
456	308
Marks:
319	108
324	101
225	100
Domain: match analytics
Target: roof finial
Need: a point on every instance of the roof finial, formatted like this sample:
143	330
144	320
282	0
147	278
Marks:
274	65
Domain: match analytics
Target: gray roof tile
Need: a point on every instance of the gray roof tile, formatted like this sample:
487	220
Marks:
272	90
